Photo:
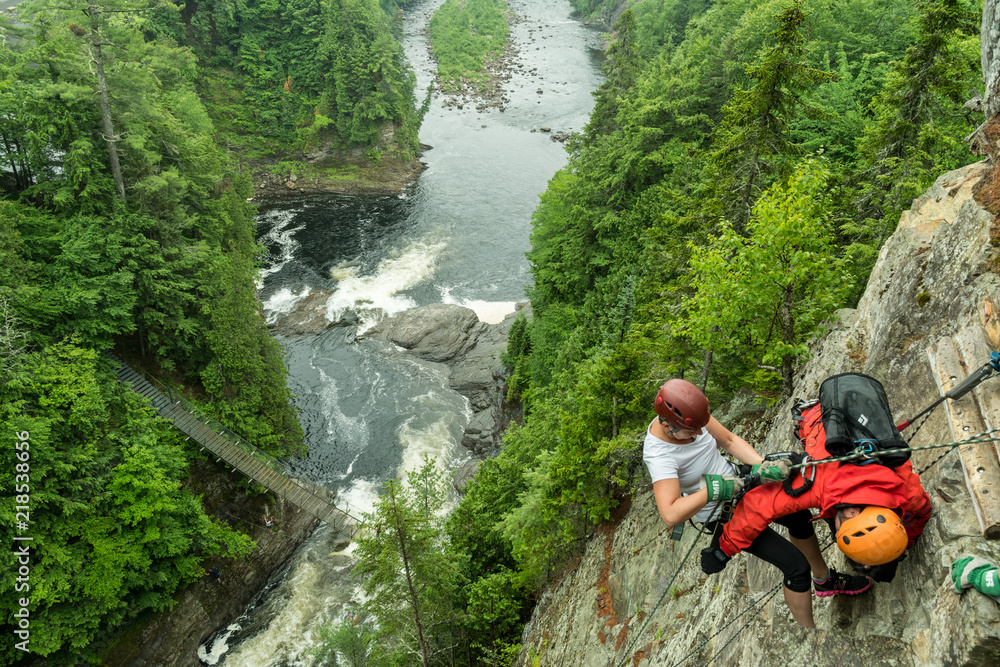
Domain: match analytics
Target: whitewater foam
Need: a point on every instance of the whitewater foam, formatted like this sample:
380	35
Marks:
279	236
376	295
283	301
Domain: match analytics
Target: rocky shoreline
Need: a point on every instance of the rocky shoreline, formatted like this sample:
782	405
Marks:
312	174
490	94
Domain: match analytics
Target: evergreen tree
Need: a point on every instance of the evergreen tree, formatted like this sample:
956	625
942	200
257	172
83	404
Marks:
409	574
752	146
620	71
918	125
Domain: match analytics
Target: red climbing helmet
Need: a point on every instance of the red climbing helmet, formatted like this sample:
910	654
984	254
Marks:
682	404
873	537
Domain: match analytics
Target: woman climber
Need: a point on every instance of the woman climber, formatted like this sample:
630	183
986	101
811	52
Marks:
691	480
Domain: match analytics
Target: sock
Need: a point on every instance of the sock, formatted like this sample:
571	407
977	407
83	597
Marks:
823	580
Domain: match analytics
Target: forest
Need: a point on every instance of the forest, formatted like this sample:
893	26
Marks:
743	164
126	226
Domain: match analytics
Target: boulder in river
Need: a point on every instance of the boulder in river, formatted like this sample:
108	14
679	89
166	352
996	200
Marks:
454	336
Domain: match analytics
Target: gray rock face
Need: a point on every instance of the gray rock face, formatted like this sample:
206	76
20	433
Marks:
453	335
638	598
465	473
438	332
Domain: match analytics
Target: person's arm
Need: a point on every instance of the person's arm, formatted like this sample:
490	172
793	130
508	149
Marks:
732	443
917	508
674	508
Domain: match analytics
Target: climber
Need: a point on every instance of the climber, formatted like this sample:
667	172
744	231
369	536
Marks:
875	512
681	449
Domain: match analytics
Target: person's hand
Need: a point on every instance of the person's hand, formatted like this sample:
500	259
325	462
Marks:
972	571
713	559
772	471
885	572
721	487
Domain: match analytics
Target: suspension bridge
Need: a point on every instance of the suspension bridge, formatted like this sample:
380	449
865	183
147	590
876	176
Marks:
234	450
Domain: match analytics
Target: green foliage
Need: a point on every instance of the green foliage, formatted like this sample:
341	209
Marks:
167	278
281	72
663	22
113	533
350	638
173	273
464	36
581	438
767	294
620	71
917	123
752	144
494	608
410	576
516	356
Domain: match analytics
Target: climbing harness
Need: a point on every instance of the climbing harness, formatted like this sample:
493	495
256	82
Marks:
986	436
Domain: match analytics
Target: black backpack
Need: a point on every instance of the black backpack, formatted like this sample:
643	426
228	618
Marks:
856	414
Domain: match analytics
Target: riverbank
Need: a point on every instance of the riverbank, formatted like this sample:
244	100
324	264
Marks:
332	172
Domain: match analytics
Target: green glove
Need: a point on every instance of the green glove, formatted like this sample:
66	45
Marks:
772	471
979	573
721	487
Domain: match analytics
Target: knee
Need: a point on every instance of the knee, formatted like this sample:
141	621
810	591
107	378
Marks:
797	577
799	525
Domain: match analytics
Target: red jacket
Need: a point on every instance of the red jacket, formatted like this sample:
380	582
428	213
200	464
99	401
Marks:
836	484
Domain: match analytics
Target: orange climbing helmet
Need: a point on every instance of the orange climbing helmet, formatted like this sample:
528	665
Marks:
682	404
874	537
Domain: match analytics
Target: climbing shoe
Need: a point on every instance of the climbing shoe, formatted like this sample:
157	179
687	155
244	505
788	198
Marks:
837	583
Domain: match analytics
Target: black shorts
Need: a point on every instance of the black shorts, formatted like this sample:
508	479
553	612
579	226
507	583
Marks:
776	550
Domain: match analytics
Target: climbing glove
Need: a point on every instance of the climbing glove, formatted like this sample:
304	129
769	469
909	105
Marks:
979	573
885	572
713	559
772	471
721	487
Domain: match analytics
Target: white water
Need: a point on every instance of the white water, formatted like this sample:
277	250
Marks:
379	294
458	236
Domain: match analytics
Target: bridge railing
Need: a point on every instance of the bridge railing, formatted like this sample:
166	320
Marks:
229	435
241	443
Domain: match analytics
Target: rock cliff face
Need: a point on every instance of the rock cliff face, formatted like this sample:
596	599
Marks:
636	597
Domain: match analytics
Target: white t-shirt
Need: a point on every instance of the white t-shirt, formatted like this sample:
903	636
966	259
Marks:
686	463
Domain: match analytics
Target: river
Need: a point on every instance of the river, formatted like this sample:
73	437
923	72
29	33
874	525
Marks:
458	234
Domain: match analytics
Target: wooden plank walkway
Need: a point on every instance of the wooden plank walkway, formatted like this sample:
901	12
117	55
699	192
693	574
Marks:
238	453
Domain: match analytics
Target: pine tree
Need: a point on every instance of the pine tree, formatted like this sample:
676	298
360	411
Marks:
620	72
410	576
752	146
918	125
